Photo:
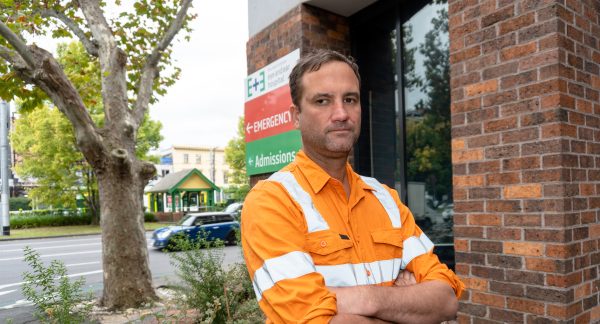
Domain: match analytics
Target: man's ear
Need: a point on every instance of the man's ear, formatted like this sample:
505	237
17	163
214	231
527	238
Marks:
295	112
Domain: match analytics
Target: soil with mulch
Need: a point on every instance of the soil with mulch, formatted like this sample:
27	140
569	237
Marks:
165	310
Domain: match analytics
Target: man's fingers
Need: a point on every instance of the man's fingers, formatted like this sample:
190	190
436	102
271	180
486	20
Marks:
405	278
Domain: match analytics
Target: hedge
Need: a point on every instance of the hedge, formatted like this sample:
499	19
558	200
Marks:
48	219
56	217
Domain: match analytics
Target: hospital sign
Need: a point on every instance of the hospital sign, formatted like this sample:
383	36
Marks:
271	139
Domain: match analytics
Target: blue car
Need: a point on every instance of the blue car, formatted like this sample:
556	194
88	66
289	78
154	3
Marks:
207	225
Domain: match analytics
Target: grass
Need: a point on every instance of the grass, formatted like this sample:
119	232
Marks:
64	230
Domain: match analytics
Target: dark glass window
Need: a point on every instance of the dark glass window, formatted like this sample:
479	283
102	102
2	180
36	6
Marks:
427	120
405	134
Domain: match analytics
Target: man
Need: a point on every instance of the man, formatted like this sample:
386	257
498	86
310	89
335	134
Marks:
323	244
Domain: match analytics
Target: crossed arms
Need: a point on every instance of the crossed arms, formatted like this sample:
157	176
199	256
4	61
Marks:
290	288
405	302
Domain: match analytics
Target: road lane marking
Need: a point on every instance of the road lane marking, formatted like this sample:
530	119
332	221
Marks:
45	242
53	255
80	274
52	247
7	292
19	303
81	264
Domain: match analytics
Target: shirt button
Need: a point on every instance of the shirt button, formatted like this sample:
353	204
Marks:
323	243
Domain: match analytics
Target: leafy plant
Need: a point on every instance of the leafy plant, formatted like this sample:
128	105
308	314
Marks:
19	203
221	295
48	218
150	217
235	156
53	294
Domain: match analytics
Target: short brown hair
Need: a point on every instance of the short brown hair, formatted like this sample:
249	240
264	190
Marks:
311	63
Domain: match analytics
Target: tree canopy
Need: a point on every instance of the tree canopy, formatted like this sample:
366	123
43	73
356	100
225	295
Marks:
133	50
235	156
44	139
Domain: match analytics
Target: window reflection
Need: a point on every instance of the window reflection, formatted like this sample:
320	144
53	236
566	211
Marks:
427	125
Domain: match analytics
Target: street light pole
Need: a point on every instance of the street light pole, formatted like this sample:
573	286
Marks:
4	175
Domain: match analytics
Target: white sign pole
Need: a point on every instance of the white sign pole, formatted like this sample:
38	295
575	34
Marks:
4	175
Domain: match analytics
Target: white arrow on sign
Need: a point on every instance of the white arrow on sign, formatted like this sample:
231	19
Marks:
248	128
250	161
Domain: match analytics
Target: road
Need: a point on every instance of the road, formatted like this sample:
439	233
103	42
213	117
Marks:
82	255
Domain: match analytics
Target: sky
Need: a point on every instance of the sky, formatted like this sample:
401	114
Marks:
203	107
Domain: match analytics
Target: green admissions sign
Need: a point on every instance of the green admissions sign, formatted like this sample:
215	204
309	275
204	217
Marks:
270	154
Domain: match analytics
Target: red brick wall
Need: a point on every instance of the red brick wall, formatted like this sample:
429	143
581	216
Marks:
525	82
303	27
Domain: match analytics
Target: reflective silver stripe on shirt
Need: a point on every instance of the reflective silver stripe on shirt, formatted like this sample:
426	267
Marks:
288	266
347	275
386	200
314	220
296	264
415	246
355	274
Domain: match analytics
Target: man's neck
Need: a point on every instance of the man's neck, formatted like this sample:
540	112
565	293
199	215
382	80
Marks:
335	167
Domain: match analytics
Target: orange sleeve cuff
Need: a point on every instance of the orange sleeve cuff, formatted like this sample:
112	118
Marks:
428	267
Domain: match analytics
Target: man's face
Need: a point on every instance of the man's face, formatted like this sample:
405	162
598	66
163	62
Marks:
329	113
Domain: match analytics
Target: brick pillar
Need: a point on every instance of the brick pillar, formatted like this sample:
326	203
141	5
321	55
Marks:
526	158
304	27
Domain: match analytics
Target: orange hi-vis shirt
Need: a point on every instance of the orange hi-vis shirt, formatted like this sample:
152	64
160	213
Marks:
301	234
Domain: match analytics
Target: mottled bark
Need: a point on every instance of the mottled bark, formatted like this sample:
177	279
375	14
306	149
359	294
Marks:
127	277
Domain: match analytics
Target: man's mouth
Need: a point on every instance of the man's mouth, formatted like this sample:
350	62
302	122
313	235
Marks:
344	129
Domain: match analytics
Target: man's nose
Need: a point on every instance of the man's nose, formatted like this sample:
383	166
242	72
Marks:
340	112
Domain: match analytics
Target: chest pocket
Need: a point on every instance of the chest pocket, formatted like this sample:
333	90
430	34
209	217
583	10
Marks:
388	243
328	248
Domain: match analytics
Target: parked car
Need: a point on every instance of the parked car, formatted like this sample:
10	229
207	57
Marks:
209	225
235	209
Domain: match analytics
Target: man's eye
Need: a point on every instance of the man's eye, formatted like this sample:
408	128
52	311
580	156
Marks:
350	100
322	101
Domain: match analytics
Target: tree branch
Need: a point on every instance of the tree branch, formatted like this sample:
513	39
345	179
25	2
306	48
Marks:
113	62
47	74
90	45
18	44
150	72
7	54
101	31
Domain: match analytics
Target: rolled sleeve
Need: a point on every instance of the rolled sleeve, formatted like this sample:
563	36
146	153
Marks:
423	263
273	239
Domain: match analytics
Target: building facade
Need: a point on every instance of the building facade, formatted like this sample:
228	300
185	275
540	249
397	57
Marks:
208	160
485	116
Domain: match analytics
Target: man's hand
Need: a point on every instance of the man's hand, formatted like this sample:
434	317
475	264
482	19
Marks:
405	278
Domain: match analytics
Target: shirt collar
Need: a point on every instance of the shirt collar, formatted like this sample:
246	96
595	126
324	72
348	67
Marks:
317	177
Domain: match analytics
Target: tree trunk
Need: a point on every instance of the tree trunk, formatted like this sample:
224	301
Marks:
127	277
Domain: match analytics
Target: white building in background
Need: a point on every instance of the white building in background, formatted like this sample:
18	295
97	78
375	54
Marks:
208	160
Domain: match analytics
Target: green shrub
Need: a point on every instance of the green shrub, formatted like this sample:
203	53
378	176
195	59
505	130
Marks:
150	217
54	296
42	218
220	295
19	203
